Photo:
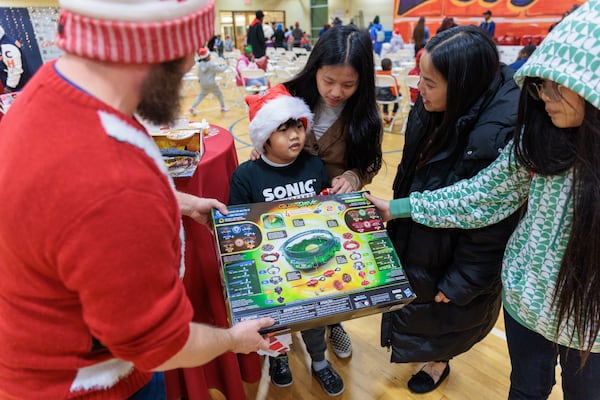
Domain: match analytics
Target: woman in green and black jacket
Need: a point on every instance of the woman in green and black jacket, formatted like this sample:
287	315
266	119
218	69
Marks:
551	266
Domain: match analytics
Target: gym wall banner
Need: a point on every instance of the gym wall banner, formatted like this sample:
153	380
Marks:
512	17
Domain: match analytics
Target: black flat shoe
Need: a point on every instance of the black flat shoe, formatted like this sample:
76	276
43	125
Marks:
421	382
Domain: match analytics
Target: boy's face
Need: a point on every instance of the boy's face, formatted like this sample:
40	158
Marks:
286	143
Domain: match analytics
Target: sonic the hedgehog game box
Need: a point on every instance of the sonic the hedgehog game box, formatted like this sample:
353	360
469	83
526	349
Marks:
308	262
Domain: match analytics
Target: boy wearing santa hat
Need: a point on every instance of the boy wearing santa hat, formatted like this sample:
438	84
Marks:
207	71
278	126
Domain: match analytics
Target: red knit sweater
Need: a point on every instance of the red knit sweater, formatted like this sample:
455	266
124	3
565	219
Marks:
90	249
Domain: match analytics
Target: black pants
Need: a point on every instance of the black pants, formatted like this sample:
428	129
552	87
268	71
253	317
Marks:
314	339
533	359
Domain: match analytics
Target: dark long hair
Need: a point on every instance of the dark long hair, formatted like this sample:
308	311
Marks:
447	23
419	33
468	60
547	150
347	45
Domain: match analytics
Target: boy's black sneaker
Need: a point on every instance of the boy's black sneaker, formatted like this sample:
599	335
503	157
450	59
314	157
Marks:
330	381
279	370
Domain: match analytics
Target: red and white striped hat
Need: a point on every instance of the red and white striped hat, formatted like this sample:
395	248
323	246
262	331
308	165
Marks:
134	31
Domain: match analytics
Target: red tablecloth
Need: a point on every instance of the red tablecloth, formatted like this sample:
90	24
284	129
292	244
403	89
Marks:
203	282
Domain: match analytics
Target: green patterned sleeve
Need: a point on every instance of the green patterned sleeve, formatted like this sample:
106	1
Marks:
487	198
400	208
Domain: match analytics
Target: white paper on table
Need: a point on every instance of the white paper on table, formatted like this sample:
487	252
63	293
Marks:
181	123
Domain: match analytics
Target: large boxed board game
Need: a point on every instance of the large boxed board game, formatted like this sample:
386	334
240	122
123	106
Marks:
308	262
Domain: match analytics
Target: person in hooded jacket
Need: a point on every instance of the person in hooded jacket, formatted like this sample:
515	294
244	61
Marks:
550	279
463	118
255	36
377	35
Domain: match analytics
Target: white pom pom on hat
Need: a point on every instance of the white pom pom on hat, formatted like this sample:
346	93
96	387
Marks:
271	108
134	31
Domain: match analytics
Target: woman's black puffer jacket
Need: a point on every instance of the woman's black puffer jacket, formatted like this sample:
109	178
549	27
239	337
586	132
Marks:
464	264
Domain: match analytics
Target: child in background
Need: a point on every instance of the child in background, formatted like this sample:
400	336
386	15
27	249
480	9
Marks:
219	46
228	43
414	92
248	61
523	56
206	76
278	126
388	93
396	42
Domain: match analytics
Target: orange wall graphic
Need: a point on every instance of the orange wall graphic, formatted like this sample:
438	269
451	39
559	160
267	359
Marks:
512	17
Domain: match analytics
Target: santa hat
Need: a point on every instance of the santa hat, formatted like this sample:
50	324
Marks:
134	31
271	108
203	53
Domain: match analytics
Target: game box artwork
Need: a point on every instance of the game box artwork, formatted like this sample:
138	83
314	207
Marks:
308	262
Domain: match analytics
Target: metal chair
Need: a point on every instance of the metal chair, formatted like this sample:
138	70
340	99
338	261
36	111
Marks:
388	81
190	83
254	80
249	77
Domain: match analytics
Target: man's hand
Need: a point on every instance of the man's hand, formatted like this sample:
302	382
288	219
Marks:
245	337
198	208
382	206
205	342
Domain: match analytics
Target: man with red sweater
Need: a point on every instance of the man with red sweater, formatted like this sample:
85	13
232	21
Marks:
91	300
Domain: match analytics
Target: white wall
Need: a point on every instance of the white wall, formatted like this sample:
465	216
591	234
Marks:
294	10
299	10
347	9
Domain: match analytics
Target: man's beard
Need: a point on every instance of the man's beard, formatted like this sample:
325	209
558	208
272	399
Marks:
160	98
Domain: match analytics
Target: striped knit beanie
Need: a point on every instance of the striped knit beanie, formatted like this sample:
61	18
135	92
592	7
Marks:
570	54
134	31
